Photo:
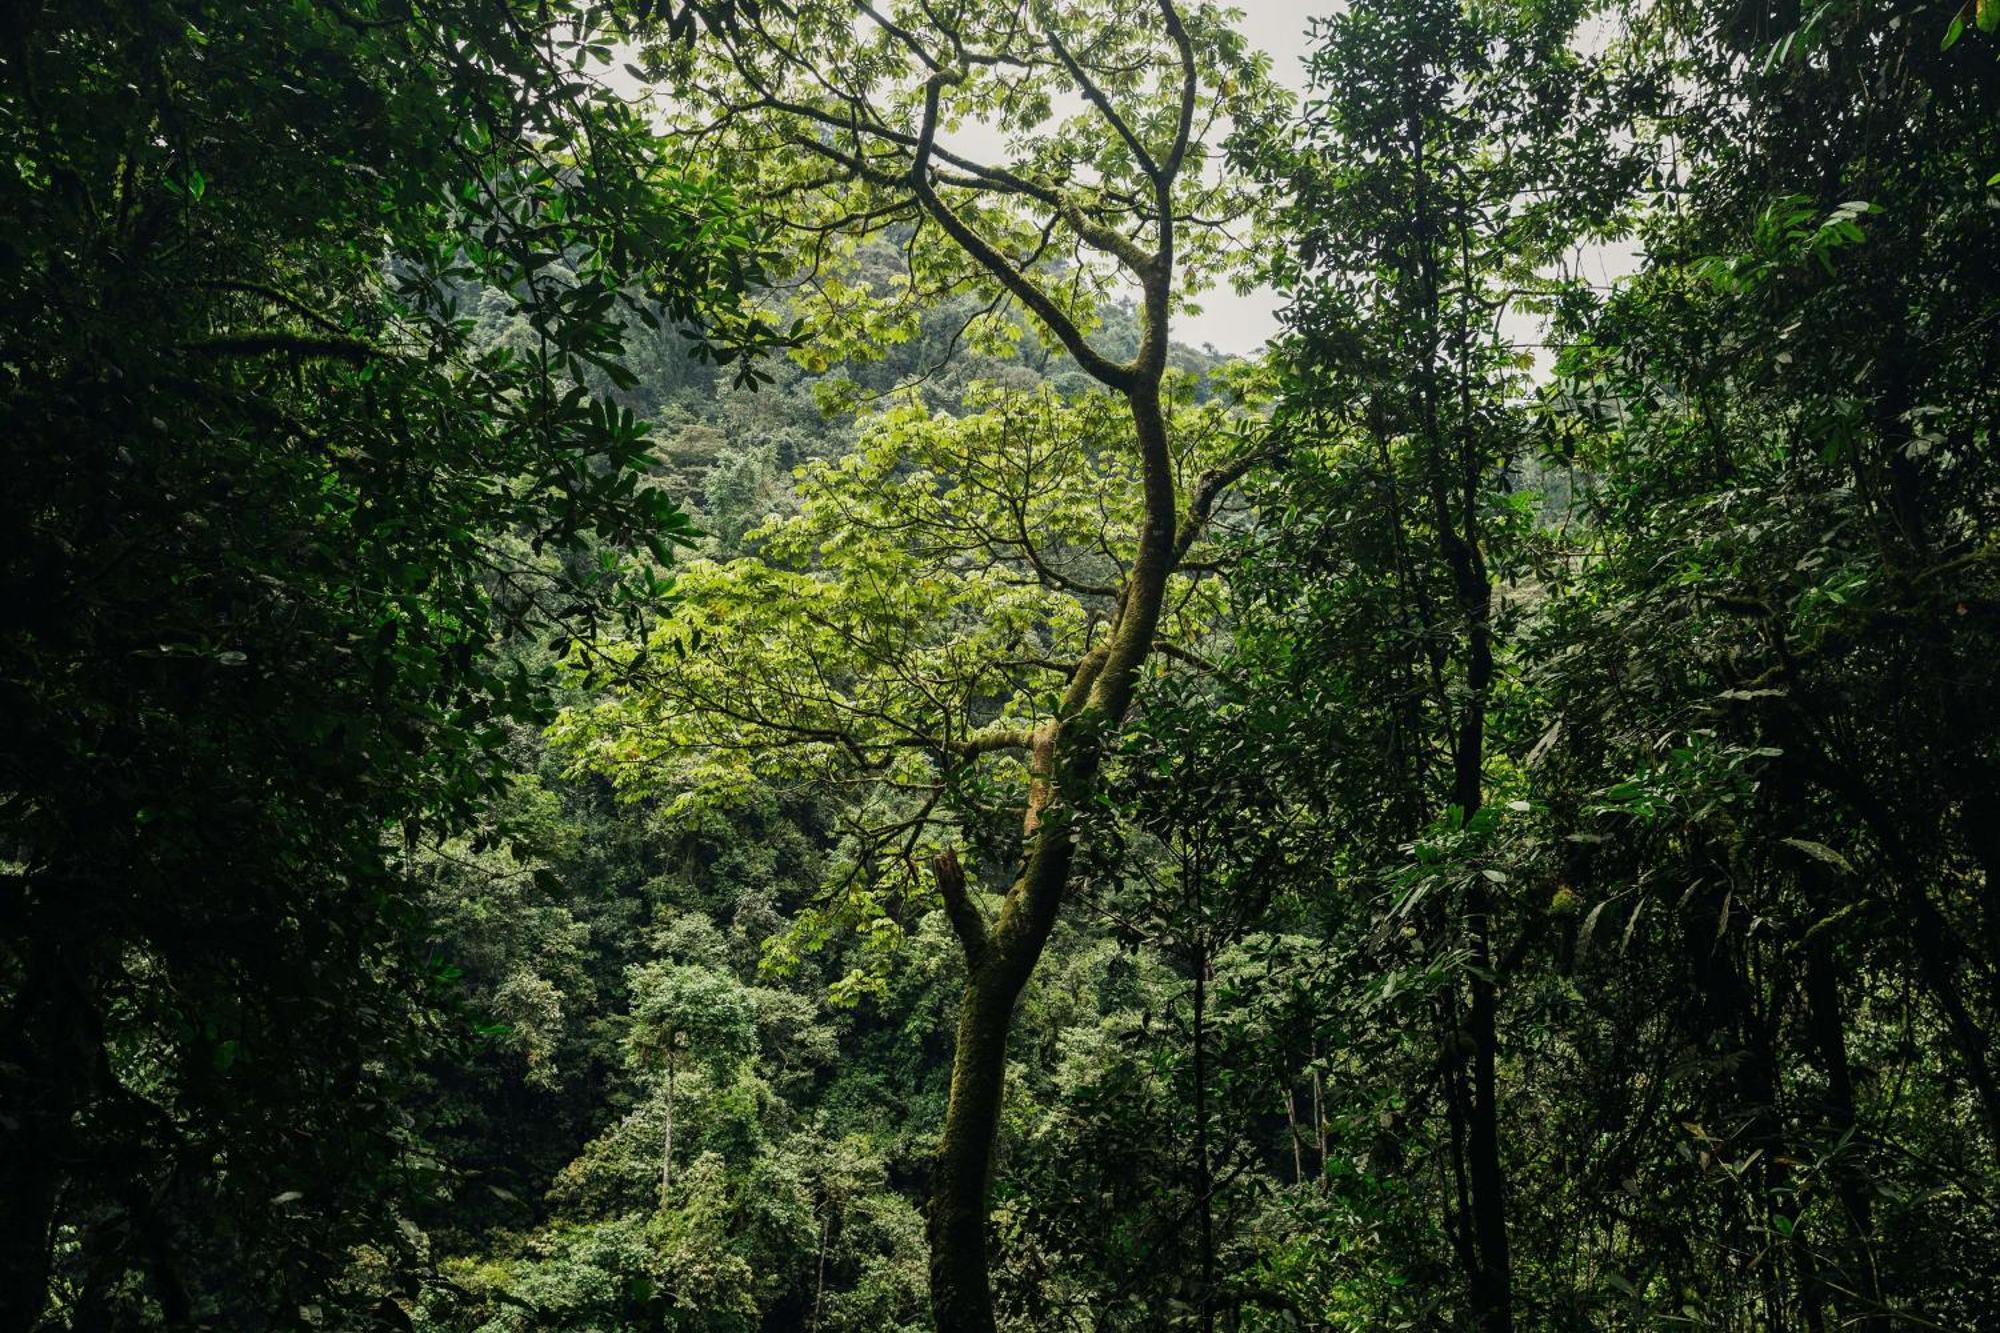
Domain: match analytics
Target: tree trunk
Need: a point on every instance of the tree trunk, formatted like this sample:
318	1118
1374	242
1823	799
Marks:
999	963
1204	1170
1454	471
1319	1117
1828	1031
46	1058
1493	1293
667	1145
1492	1280
997	967
960	1298
819	1281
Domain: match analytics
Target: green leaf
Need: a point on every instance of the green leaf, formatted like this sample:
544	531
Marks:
1589	927
1954	32
1819	851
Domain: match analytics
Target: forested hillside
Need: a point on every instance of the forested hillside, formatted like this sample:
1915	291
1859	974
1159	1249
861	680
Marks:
645	683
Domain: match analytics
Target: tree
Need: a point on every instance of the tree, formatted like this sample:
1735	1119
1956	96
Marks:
686	1012
1716	659
1206	841
900	645
1778	627
1524	857
844	114
1425	205
268	510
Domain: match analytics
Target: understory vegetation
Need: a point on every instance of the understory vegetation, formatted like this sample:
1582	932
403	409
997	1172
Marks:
647	684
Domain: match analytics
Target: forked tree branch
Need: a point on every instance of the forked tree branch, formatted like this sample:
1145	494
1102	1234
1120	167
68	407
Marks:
967	922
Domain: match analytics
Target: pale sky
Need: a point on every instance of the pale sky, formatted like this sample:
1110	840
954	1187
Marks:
1241	323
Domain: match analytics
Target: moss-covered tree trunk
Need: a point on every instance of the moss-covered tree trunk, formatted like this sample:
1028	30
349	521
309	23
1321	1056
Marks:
1000	960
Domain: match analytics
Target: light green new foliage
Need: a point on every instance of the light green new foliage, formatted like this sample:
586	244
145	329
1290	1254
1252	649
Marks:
896	642
939	645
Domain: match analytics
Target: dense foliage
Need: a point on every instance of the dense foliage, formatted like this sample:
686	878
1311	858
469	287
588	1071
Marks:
267	509
694	716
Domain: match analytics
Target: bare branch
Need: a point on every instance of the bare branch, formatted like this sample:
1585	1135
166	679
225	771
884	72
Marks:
901	34
290	344
991	742
1179	654
1184	133
272	294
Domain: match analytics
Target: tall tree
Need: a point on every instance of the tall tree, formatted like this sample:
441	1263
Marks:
1427	201
1781	627
851	115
